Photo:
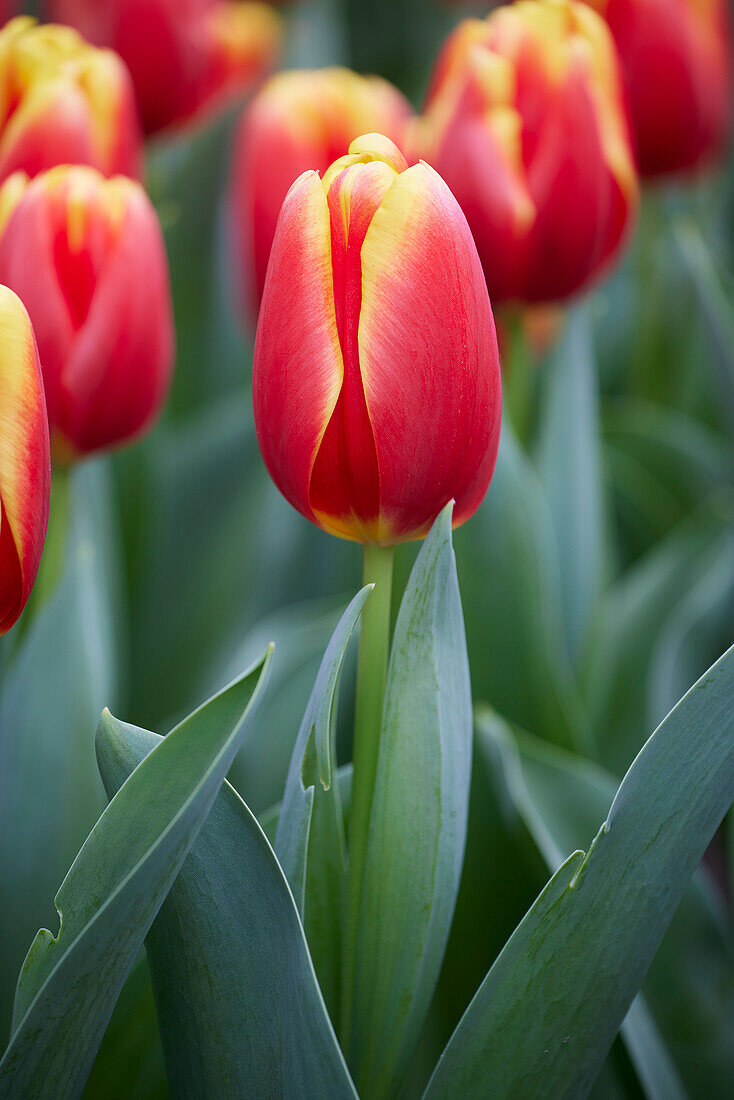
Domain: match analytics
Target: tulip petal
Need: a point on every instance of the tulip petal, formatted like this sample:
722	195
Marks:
24	459
428	353
298	367
26	254
118	368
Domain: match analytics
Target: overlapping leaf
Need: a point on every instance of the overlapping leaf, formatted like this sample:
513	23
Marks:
545	1016
239	1006
69	983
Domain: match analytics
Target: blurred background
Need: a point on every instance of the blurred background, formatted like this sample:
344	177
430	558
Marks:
597	577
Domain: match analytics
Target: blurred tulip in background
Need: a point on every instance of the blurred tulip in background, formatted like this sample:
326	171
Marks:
63	101
525	121
677	61
24	459
299	120
376	371
186	57
87	258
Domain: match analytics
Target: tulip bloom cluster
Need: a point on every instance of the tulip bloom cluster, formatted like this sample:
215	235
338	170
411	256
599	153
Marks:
525	121
87	258
63	101
376	373
24	459
677	61
298	121
186	56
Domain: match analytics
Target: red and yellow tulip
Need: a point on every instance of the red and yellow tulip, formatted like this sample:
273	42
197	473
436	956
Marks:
86	256
376	374
62	101
298	121
677	62
186	57
25	467
525	121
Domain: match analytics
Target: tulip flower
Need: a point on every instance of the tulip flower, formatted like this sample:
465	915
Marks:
525	121
677	62
186	57
86	256
298	121
376	373
63	101
25	468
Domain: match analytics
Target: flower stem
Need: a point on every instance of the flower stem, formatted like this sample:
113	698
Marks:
520	378
374	646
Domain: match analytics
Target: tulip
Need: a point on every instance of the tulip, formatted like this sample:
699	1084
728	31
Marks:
25	468
186	57
525	121
86	256
376	373
63	101
298	121
677	62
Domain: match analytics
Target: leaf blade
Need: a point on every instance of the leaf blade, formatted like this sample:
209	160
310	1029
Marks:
611	906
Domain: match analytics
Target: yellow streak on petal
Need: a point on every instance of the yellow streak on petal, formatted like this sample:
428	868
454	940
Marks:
21	408
11	193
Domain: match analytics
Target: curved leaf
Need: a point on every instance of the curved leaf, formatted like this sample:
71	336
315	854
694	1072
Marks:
545	1016
69	983
514	626
309	841
239	1006
418	823
62	673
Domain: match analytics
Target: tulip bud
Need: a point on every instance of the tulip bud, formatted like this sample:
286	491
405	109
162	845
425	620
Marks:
525	121
186	57
86	256
298	121
677	62
62	101
25	468
376	374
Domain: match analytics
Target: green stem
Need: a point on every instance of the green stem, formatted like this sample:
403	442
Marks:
519	378
374	646
52	559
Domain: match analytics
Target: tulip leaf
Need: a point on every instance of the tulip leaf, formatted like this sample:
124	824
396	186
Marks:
309	841
61	674
562	799
69	983
418	824
514	624
568	462
239	1005
545	1016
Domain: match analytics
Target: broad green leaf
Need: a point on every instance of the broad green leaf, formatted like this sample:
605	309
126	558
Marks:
568	463
309	841
239	1005
301	634
509	572
129	1062
61	674
418	822
545	1016
70	982
562	799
